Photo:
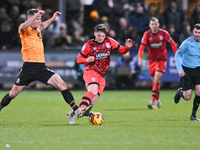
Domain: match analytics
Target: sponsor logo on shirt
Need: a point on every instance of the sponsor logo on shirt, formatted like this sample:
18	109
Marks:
156	45
102	55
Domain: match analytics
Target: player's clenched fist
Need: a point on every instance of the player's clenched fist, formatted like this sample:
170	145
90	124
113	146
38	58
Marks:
55	14
90	59
58	13
40	13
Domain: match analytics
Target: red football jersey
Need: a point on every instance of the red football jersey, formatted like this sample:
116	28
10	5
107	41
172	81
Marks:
101	52
156	44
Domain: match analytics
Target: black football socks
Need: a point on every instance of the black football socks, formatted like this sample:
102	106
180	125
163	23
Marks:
196	103
5	101
67	95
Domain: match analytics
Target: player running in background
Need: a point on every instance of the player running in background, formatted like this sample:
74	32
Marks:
155	39
187	62
96	54
34	67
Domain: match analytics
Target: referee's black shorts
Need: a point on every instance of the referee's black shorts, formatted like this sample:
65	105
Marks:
33	72
192	77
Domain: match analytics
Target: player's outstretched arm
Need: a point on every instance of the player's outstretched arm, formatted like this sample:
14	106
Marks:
140	53
126	48
46	23
173	45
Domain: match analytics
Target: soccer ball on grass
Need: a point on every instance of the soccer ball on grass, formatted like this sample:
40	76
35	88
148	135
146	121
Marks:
96	118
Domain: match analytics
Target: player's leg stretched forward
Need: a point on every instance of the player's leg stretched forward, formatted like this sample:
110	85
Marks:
57	82
95	85
87	102
71	113
11	95
93	92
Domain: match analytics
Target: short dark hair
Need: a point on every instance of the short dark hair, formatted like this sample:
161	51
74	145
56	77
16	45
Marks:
32	12
197	26
102	28
154	19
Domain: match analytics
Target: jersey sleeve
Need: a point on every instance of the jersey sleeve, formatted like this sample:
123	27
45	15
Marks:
144	39
142	45
22	32
118	47
82	56
182	48
169	39
167	36
115	45
19	31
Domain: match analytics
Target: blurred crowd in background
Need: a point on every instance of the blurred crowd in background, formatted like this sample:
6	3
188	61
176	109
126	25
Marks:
123	18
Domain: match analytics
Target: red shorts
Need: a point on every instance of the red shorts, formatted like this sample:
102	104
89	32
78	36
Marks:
157	66
91	76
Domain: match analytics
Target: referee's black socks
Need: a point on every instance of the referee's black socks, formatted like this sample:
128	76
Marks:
67	95
196	103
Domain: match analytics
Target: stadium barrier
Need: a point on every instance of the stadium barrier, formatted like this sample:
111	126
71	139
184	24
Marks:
62	62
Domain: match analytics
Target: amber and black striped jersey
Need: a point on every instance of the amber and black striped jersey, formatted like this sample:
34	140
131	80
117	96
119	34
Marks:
32	45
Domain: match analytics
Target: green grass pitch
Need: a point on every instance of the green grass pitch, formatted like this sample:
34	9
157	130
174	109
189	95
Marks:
36	120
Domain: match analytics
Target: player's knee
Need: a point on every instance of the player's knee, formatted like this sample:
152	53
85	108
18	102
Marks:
187	97
157	80
93	91
13	94
62	86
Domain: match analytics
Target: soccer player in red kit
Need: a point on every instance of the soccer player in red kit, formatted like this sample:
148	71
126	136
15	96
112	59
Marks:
155	39
96	54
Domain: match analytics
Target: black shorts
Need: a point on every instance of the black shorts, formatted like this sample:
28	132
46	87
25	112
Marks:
192	77
33	72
